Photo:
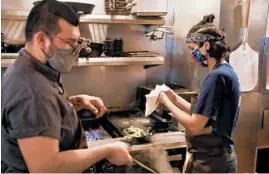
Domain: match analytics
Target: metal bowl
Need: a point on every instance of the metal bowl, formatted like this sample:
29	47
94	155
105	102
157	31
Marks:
78	7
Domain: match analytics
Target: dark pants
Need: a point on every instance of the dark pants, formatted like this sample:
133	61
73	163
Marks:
210	155
231	163
205	164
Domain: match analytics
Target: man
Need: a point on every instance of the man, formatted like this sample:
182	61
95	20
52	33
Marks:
209	127
40	129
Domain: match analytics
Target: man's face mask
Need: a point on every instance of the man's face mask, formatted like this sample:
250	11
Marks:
63	59
197	56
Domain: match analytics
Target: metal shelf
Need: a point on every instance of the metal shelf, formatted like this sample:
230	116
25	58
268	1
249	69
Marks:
121	61
105	19
9	55
121	19
8	58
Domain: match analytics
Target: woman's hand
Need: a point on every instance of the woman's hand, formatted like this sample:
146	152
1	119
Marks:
171	95
163	98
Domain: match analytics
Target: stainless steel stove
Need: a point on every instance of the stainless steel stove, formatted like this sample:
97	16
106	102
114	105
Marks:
113	124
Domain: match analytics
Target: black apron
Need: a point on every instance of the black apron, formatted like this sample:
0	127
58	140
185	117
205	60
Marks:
208	153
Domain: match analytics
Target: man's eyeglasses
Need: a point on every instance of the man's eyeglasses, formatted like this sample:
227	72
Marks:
68	42
79	44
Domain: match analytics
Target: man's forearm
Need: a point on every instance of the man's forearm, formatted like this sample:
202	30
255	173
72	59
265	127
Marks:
75	160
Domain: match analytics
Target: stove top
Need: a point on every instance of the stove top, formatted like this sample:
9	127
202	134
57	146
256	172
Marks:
113	124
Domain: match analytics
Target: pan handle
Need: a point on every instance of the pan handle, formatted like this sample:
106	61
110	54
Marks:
109	127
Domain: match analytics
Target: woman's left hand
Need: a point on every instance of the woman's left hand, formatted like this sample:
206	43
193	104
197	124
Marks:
94	104
163	98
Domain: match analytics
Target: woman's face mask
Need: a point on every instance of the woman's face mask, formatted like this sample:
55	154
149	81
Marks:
196	54
199	58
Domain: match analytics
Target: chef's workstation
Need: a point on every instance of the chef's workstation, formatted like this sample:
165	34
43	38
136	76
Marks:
134	46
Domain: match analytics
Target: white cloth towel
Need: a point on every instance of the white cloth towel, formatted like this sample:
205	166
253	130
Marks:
151	98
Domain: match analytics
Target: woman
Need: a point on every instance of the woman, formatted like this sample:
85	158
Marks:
209	127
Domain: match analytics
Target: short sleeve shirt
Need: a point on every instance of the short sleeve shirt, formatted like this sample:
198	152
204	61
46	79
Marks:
34	103
219	100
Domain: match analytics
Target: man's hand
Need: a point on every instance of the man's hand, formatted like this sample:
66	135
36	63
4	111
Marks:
94	104
119	154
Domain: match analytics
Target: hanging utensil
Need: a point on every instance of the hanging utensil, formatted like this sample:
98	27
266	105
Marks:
131	4
244	59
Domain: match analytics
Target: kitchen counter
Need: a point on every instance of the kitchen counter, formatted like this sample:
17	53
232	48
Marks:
151	154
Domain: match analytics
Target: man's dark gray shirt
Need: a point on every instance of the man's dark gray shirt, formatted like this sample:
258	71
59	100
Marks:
34	104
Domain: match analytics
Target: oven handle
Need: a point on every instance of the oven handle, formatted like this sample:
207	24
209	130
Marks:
265	117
